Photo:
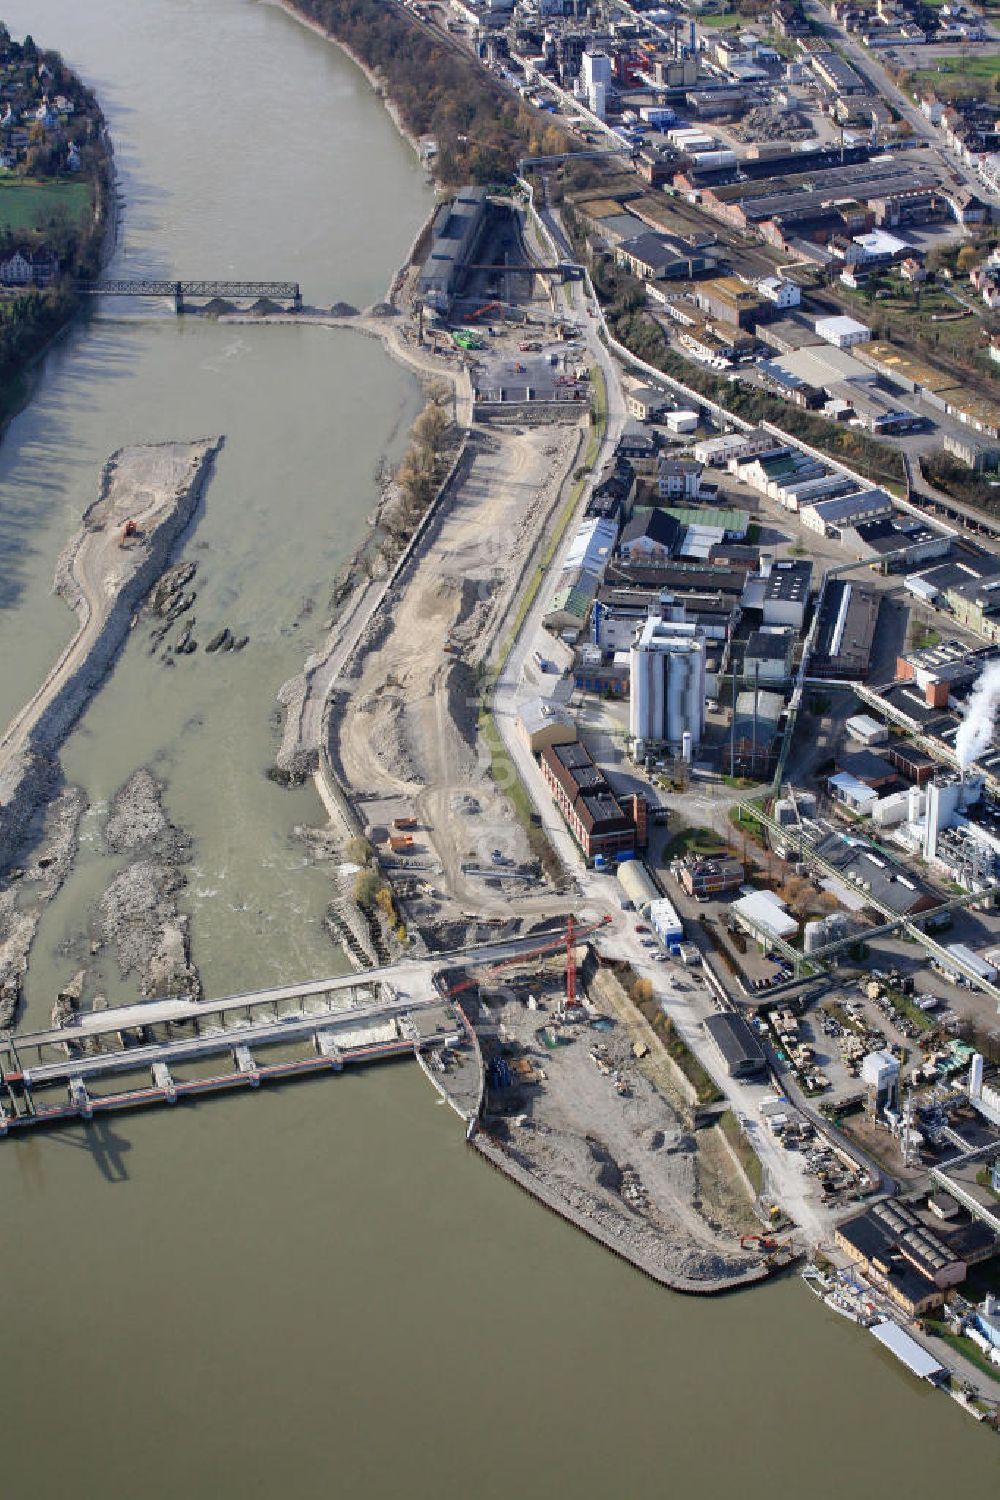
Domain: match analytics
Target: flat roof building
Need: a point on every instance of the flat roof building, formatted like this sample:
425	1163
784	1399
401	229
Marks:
843	332
845	632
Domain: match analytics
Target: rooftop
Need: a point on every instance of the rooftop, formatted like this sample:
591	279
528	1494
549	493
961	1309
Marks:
789	581
764	911
736	1041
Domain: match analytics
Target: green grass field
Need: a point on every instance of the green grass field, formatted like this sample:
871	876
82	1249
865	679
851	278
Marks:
29	204
978	65
728	18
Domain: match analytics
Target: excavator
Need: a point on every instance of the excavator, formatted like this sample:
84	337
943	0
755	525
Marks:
130	529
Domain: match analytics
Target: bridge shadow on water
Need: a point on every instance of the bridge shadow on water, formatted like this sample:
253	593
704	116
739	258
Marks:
98	1139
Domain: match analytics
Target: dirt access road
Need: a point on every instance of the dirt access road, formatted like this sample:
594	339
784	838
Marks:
409	725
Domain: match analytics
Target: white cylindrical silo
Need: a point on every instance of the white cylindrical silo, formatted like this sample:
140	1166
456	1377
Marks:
686	746
976	1075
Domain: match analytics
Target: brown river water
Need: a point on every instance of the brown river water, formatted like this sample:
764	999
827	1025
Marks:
318	1290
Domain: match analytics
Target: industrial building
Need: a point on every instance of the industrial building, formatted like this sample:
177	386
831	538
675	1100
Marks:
645	403
913	1263
730	300
662	257
764	915
845	630
543	723
843	332
898	541
597	820
867	871
755	735
667	672
454	234
710	877
767	656
740	1047
638	885
581	575
780	591
832	517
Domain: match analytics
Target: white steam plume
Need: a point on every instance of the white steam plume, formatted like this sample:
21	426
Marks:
975	733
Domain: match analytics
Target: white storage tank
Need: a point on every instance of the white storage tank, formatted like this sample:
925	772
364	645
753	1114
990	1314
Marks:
686	745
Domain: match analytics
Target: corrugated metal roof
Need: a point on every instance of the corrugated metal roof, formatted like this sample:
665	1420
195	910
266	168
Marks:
913	1355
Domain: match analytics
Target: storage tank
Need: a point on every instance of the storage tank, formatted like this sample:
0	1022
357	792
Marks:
913	805
638	884
713	161
814	935
686	746
976	1076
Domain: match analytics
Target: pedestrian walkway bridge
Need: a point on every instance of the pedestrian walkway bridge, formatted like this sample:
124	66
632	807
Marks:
184	291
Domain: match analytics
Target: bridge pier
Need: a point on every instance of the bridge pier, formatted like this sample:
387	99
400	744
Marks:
178	298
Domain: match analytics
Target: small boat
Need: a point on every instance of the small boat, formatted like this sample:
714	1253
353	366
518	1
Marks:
817	1282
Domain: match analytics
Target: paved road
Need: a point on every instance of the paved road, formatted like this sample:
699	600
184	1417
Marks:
870	66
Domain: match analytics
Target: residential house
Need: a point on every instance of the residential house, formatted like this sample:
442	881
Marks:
678	478
651	536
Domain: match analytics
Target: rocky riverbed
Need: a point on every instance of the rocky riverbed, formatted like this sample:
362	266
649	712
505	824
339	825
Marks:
139	914
26	890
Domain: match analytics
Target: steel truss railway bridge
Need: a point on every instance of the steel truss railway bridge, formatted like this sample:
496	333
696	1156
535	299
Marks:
229	291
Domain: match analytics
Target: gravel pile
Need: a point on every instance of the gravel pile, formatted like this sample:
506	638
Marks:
137	821
138	913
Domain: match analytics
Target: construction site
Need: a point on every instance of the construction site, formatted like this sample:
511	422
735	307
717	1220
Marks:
580	1106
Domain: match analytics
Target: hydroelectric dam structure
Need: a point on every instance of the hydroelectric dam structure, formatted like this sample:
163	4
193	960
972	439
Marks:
164	1051
183	292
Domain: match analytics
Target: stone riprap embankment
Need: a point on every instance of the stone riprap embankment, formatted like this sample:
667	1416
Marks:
104	575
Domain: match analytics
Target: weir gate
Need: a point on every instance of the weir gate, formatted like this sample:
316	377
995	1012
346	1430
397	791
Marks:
162	1051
